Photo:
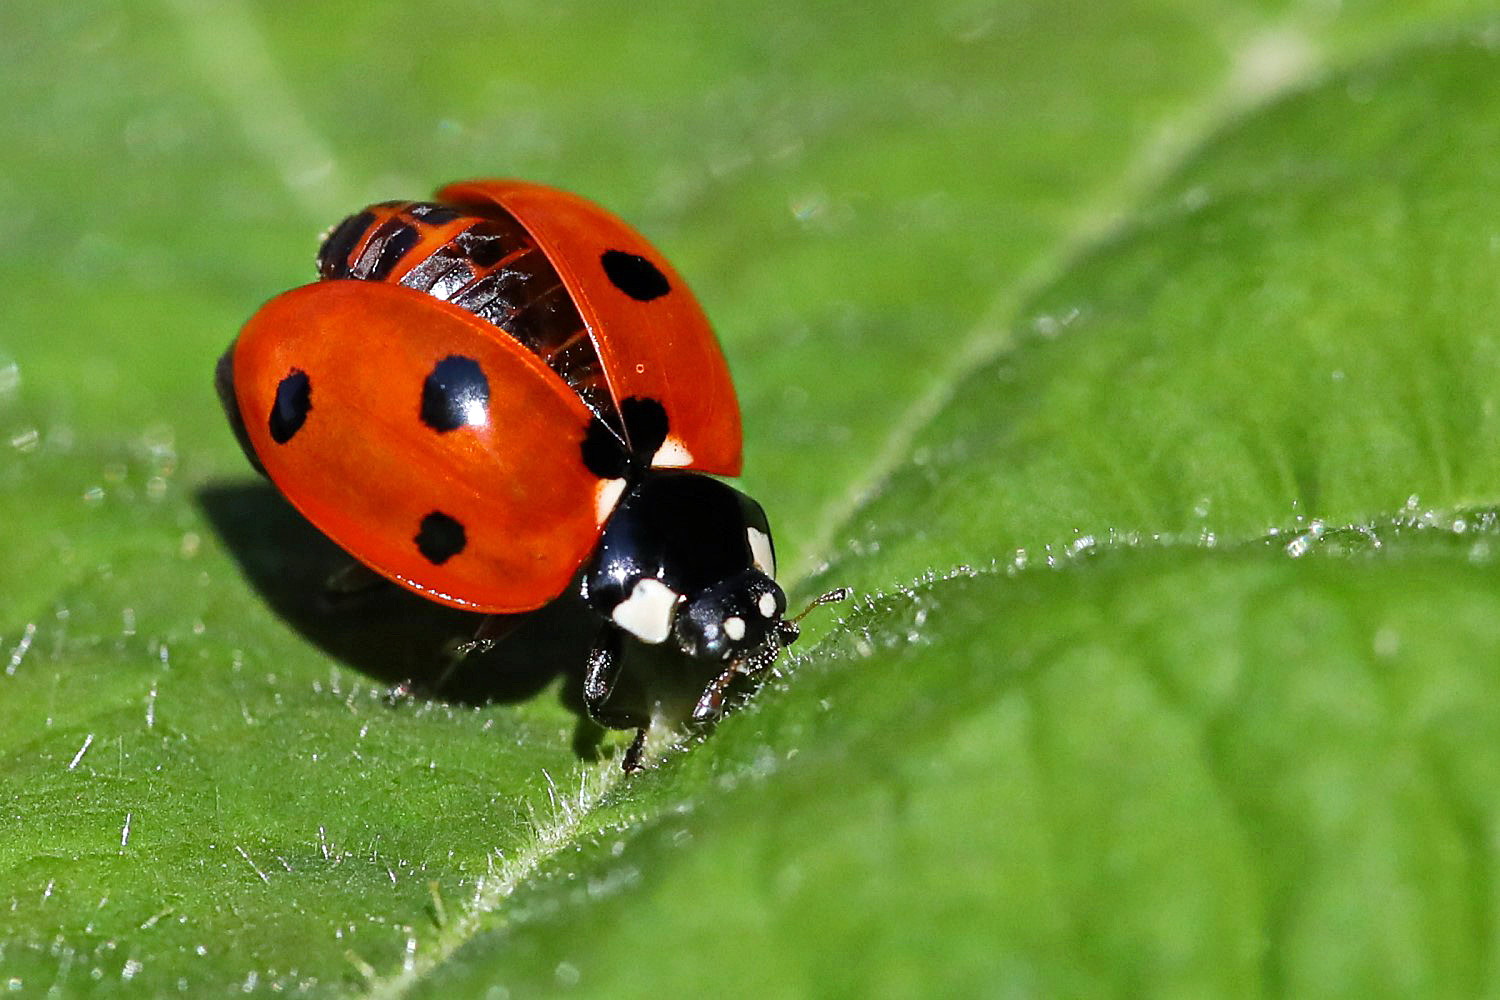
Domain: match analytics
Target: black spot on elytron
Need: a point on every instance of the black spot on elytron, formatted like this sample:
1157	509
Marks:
604	454
455	395
293	402
333	255
432	213
441	538
397	245
645	425
634	275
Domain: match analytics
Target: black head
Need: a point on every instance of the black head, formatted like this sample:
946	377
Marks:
734	619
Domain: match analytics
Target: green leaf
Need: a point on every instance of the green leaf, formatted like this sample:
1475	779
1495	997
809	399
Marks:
1158	771
1136	365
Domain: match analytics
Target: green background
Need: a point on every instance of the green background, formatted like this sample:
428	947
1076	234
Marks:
1137	364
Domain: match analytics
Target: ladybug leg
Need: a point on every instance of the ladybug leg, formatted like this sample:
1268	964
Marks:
599	677
602	670
711	701
490	631
351	582
631	762
397	693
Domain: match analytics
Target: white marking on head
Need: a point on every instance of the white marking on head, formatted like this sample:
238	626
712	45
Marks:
672	454
734	627
606	495
647	612
760	551
767	604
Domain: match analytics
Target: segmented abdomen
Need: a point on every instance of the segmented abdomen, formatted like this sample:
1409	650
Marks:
482	260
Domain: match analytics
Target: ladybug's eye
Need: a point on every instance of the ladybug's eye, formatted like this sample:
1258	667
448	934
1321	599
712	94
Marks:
634	275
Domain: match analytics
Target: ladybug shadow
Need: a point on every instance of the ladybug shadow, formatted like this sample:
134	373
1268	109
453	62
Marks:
391	635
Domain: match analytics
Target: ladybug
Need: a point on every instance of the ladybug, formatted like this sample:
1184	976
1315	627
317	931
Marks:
490	395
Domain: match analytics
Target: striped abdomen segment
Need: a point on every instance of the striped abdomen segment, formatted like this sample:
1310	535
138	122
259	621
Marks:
482	260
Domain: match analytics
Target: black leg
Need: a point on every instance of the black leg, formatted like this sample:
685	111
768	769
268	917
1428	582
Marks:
631	762
599	678
711	701
602	671
351	584
490	631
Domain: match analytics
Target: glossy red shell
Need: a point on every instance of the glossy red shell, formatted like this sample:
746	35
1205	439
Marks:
663	349
366	470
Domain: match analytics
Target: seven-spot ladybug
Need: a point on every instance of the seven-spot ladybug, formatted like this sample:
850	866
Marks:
490	391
